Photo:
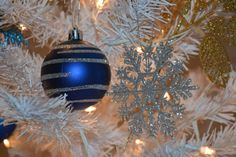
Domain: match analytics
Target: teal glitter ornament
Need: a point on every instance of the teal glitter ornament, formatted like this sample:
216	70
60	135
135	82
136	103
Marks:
76	68
11	36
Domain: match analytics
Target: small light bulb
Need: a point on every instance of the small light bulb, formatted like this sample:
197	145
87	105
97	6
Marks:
139	142
167	96
100	4
207	151
6	143
90	109
22	27
139	50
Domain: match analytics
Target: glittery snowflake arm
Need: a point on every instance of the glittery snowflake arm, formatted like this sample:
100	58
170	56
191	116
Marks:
144	80
219	111
180	88
133	60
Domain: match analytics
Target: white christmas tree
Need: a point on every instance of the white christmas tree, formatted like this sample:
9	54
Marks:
143	40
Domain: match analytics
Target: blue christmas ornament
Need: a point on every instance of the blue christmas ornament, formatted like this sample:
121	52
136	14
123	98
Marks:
76	68
6	131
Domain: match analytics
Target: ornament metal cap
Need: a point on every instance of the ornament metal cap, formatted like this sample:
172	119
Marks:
75	34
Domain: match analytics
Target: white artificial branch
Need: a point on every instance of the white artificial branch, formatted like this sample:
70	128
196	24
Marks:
219	108
85	142
186	40
128	22
46	121
222	142
20	71
45	21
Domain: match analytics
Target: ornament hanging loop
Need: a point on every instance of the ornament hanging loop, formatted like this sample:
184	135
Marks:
75	9
75	34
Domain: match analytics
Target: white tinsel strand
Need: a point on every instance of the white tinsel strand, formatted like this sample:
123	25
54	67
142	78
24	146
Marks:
20	71
127	22
186	43
45	121
47	124
219	108
222	143
106	136
46	22
184	47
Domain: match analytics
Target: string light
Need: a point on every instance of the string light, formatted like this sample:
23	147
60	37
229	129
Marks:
22	27
139	50
100	4
6	143
90	109
167	96
139	142
207	151
162	31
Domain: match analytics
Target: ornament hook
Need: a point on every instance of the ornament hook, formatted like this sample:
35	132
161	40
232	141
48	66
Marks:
75	34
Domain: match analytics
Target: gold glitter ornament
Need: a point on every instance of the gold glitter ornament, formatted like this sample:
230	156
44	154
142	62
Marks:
187	7
214	60
229	5
223	29
232	30
201	5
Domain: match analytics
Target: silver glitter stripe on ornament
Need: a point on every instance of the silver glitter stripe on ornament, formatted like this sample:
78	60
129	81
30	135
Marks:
74	46
85	101
80	51
71	60
53	76
70	89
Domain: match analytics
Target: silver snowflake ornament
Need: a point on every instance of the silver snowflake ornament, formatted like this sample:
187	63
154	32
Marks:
150	89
